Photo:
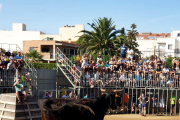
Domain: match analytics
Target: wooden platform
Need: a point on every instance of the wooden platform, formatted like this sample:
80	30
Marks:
11	110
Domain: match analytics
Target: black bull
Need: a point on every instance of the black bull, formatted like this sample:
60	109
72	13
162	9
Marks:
82	109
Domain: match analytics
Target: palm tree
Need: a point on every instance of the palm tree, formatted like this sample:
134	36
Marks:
102	40
34	56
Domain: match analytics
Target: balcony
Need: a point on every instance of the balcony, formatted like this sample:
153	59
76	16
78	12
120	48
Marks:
47	55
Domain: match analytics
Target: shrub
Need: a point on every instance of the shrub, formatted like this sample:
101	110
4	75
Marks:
44	65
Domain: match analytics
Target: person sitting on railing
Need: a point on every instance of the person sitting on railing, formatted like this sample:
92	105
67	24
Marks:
176	81
85	65
107	65
146	72
151	70
158	71
138	79
99	59
78	59
164	59
19	87
88	79
98	66
172	71
61	56
11	67
122	79
111	62
84	57
165	71
90	59
102	67
162	80
150	80
174	61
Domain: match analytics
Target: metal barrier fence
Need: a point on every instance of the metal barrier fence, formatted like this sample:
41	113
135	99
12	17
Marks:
152	80
159	100
7	78
14	48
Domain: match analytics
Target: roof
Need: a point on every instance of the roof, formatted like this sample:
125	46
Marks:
153	36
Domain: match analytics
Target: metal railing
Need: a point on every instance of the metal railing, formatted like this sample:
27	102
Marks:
27	64
130	102
63	62
132	80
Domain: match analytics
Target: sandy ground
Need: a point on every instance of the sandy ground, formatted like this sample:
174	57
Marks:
138	117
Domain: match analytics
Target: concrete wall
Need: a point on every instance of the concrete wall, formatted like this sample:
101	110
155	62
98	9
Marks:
70	32
46	79
167	41
146	47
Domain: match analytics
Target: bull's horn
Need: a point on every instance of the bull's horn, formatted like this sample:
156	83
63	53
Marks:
118	90
103	90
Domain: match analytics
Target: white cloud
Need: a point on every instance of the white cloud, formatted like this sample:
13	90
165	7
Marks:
0	7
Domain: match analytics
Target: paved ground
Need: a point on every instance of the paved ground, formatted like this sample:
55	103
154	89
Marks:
138	117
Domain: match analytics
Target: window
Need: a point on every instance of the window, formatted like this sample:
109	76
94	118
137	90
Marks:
72	51
64	50
169	47
45	49
31	49
178	34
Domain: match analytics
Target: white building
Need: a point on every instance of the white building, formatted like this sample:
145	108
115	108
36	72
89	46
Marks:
66	33
168	46
17	36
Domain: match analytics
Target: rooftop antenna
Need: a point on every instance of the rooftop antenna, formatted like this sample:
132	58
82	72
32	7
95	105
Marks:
172	28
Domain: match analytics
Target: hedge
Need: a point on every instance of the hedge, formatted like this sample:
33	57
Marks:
44	65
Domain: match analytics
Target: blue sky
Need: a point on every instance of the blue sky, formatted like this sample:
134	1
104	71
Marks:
157	16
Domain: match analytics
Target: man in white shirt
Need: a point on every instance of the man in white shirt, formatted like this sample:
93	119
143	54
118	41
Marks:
122	79
130	53
165	71
85	65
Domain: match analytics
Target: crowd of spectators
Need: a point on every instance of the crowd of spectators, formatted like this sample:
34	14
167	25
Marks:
9	62
126	71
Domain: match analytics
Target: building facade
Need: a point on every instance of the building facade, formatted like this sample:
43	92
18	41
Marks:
18	35
48	48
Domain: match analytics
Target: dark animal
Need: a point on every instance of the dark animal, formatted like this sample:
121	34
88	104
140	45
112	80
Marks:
82	109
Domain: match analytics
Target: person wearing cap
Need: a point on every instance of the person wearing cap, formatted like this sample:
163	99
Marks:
19	87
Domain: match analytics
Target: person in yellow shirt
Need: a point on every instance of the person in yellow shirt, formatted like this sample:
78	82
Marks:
77	59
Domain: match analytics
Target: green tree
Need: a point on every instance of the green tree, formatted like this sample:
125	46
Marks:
131	38
34	56
102	40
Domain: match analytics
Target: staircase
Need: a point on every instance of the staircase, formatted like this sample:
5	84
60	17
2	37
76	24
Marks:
65	65
11	110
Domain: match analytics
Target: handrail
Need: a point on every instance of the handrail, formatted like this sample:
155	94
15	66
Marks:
75	73
25	59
